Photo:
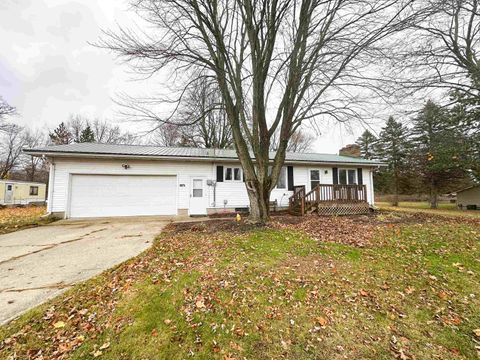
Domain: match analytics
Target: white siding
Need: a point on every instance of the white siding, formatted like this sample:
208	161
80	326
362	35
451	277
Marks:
183	170
233	192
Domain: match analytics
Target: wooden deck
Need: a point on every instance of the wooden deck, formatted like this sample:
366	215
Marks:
327	199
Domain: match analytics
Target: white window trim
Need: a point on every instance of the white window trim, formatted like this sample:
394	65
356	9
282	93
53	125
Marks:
355	172
233	174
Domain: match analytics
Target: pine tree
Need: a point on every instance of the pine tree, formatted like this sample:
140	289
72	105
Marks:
440	149
367	143
392	147
61	135
87	135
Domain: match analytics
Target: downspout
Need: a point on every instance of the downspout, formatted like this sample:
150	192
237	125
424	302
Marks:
51	180
214	182
372	193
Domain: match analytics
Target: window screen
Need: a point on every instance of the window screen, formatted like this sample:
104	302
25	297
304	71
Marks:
228	174
33	190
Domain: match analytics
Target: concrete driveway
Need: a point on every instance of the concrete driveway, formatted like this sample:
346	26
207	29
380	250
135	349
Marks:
38	264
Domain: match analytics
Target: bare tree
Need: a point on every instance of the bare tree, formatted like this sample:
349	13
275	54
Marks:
441	51
11	143
209	129
5	111
103	131
277	63
300	141
106	133
203	102
32	165
166	135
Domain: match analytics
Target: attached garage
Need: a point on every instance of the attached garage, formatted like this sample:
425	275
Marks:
122	195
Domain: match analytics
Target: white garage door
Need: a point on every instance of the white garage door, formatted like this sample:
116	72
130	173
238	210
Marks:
122	195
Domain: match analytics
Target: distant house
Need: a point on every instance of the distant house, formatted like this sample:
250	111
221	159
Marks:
469	198
13	192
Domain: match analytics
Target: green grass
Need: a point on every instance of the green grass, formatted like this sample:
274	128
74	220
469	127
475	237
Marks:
444	208
272	293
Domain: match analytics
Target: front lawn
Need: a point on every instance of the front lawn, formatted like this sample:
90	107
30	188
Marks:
386	286
17	218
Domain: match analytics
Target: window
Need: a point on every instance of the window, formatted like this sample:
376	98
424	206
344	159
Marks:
197	188
9	187
314	178
233	174
282	179
237	175
347	176
34	190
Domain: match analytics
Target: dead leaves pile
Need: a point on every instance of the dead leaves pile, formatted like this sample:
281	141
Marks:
344	230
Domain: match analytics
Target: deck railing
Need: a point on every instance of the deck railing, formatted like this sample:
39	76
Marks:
302	202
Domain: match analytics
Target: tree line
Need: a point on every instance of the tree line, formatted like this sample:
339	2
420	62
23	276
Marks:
438	153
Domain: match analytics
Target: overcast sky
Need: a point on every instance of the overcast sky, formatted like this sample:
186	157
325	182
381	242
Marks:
48	70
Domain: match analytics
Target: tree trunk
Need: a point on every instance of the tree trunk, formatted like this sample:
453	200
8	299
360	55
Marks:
259	197
433	196
395	195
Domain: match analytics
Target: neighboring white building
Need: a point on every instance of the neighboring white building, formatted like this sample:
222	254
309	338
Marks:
469	198
97	180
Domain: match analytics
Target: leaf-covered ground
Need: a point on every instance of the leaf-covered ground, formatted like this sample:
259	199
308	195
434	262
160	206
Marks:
445	209
401	286
17	218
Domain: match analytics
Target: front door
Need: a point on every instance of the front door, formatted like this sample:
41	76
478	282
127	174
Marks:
198	197
8	193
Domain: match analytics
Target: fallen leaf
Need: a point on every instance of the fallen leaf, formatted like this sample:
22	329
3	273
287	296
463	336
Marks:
477	332
105	346
97	354
321	321
167	321
59	324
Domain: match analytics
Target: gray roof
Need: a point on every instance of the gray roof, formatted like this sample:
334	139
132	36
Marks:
143	151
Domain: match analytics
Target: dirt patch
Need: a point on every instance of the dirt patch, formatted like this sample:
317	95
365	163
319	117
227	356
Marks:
212	226
308	265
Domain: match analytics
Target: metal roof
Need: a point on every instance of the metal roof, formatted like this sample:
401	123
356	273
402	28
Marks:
143	151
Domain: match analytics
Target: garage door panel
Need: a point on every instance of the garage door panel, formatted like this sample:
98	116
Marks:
122	195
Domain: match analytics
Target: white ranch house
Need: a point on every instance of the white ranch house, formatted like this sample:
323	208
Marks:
100	180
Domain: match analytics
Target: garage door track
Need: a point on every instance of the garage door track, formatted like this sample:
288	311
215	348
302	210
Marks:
38	264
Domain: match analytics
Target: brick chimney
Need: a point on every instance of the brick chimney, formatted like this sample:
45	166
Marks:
352	150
